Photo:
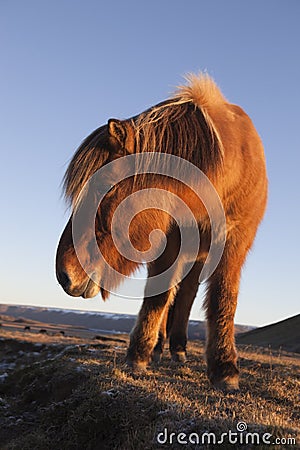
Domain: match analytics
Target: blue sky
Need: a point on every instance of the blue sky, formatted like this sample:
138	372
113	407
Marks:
68	66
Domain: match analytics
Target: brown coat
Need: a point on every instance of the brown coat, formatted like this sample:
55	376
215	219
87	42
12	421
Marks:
198	125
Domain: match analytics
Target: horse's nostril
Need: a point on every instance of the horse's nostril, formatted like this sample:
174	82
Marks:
63	279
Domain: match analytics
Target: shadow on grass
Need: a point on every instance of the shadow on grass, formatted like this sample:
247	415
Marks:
84	399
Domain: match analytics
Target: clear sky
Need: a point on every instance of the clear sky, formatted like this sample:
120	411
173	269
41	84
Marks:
67	66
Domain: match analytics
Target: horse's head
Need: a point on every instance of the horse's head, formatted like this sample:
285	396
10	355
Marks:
78	267
156	143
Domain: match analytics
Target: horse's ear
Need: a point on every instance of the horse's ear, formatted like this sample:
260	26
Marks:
117	130
122	131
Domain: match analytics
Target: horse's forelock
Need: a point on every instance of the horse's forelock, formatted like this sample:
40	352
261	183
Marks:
89	157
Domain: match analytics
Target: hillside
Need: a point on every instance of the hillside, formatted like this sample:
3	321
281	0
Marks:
284	334
89	322
71	393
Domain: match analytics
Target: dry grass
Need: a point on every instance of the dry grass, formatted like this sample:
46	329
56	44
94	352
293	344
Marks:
70	393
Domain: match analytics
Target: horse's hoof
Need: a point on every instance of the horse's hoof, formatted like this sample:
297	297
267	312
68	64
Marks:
224	376
137	367
227	385
179	357
156	357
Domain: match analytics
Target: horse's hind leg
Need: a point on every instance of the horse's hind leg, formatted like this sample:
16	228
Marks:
220	305
181	311
175	319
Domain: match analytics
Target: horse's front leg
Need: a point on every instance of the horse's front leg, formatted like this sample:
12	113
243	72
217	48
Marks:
163	333
144	335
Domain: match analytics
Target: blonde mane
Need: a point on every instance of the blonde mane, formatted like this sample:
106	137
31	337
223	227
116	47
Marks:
183	125
200	90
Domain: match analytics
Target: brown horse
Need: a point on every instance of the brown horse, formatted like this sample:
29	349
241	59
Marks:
199	126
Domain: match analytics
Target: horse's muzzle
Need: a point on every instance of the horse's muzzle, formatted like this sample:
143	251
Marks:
87	289
63	279
91	289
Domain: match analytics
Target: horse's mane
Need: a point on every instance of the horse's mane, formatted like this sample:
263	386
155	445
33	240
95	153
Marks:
181	126
88	158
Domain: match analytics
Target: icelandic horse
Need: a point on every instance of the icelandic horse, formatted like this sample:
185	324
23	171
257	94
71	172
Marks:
198	125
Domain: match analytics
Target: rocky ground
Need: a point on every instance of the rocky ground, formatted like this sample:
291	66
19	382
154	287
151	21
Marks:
68	392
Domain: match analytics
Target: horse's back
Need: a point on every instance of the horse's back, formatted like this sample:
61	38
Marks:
243	184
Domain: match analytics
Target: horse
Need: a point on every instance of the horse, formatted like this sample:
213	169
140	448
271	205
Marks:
199	127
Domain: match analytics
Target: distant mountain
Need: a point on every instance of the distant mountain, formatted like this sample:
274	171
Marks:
96	321
83	319
284	334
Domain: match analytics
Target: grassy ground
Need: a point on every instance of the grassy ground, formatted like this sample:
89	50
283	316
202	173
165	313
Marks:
68	393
